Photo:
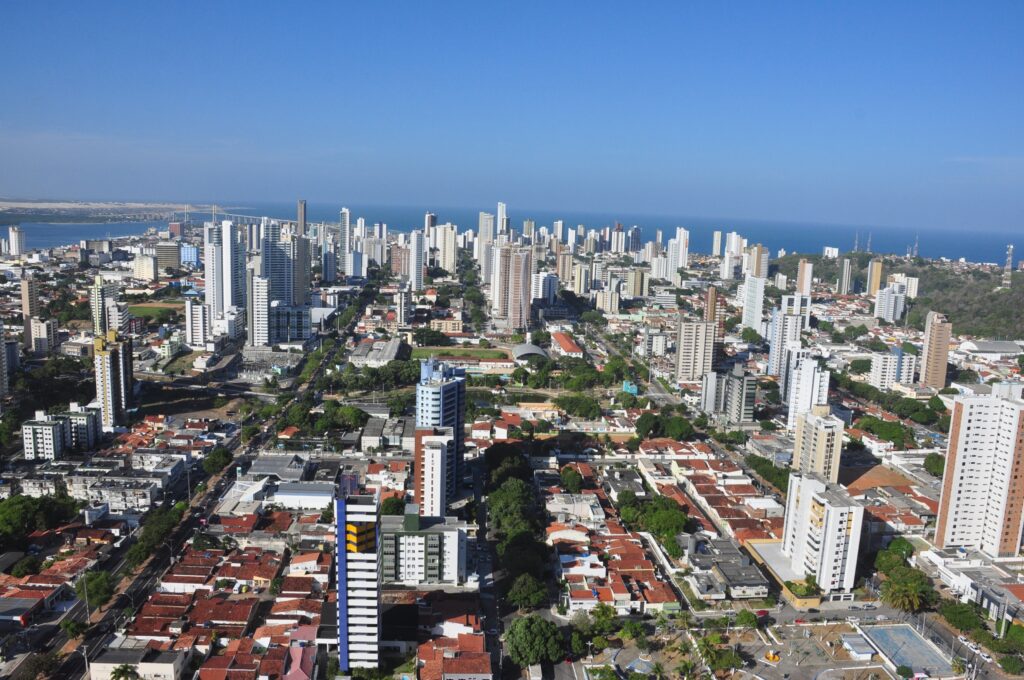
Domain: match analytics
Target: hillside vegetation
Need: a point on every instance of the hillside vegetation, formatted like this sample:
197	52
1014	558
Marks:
969	299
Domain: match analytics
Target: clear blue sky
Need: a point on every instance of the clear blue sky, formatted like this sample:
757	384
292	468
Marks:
907	113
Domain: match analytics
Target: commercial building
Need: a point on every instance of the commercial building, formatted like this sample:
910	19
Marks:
821	535
168	255
695	349
982	502
818	444
358	581
935	354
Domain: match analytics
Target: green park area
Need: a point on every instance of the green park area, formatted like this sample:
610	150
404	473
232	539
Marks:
458	353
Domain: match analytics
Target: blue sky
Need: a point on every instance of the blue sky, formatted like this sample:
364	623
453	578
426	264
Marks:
880	113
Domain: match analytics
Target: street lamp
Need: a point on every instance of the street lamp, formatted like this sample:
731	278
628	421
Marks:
84	649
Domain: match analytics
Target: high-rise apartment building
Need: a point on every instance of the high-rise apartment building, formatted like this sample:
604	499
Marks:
729	396
100	294
520	270
807	387
484	239
168	255
543	288
30	307
821	534
580	280
223	266
441	402
753	302
419	549
890	302
300	221
435	464
716	243
889	368
982	502
757	261
818	444
804	277
16	241
695	349
198	327
935	353
115	382
874	277
358	567
845	272
44	335
417	263
500	273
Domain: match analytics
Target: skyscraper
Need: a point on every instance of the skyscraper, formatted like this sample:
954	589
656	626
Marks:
935	354
500	273
484	239
806	387
416	263
300	222
822	531
753	302
16	240
112	359
30	307
890	302
503	222
223	266
716	243
843	284
982	502
818	444
344	238
441	402
358	578
695	349
804	277
874	277
100	294
519	279
435	461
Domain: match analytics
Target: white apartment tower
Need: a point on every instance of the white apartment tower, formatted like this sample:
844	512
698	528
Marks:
695	349
821	534
982	502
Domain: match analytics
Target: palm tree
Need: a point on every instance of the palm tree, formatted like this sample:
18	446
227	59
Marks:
658	671
686	669
124	672
959	666
707	647
904	594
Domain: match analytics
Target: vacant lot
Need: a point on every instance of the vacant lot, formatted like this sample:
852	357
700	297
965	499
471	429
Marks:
156	310
458	353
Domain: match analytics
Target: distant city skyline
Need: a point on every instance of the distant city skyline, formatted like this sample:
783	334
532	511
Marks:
902	115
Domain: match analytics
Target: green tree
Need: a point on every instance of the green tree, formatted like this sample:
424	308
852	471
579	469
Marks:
217	460
1012	665
531	640
749	335
100	588
572	480
392	506
860	366
935	464
907	589
604	620
25	566
746	619
527	592
904	671
72	628
124	672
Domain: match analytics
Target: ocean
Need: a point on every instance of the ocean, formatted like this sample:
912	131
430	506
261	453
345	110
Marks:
977	245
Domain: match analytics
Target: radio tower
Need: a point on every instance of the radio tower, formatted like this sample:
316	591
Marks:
917	240
1008	269
856	242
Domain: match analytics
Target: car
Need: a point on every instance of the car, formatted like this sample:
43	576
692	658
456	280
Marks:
870	607
761	612
799	621
493	631
986	656
963	639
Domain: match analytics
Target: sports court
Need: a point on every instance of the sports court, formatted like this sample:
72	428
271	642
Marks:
905	647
